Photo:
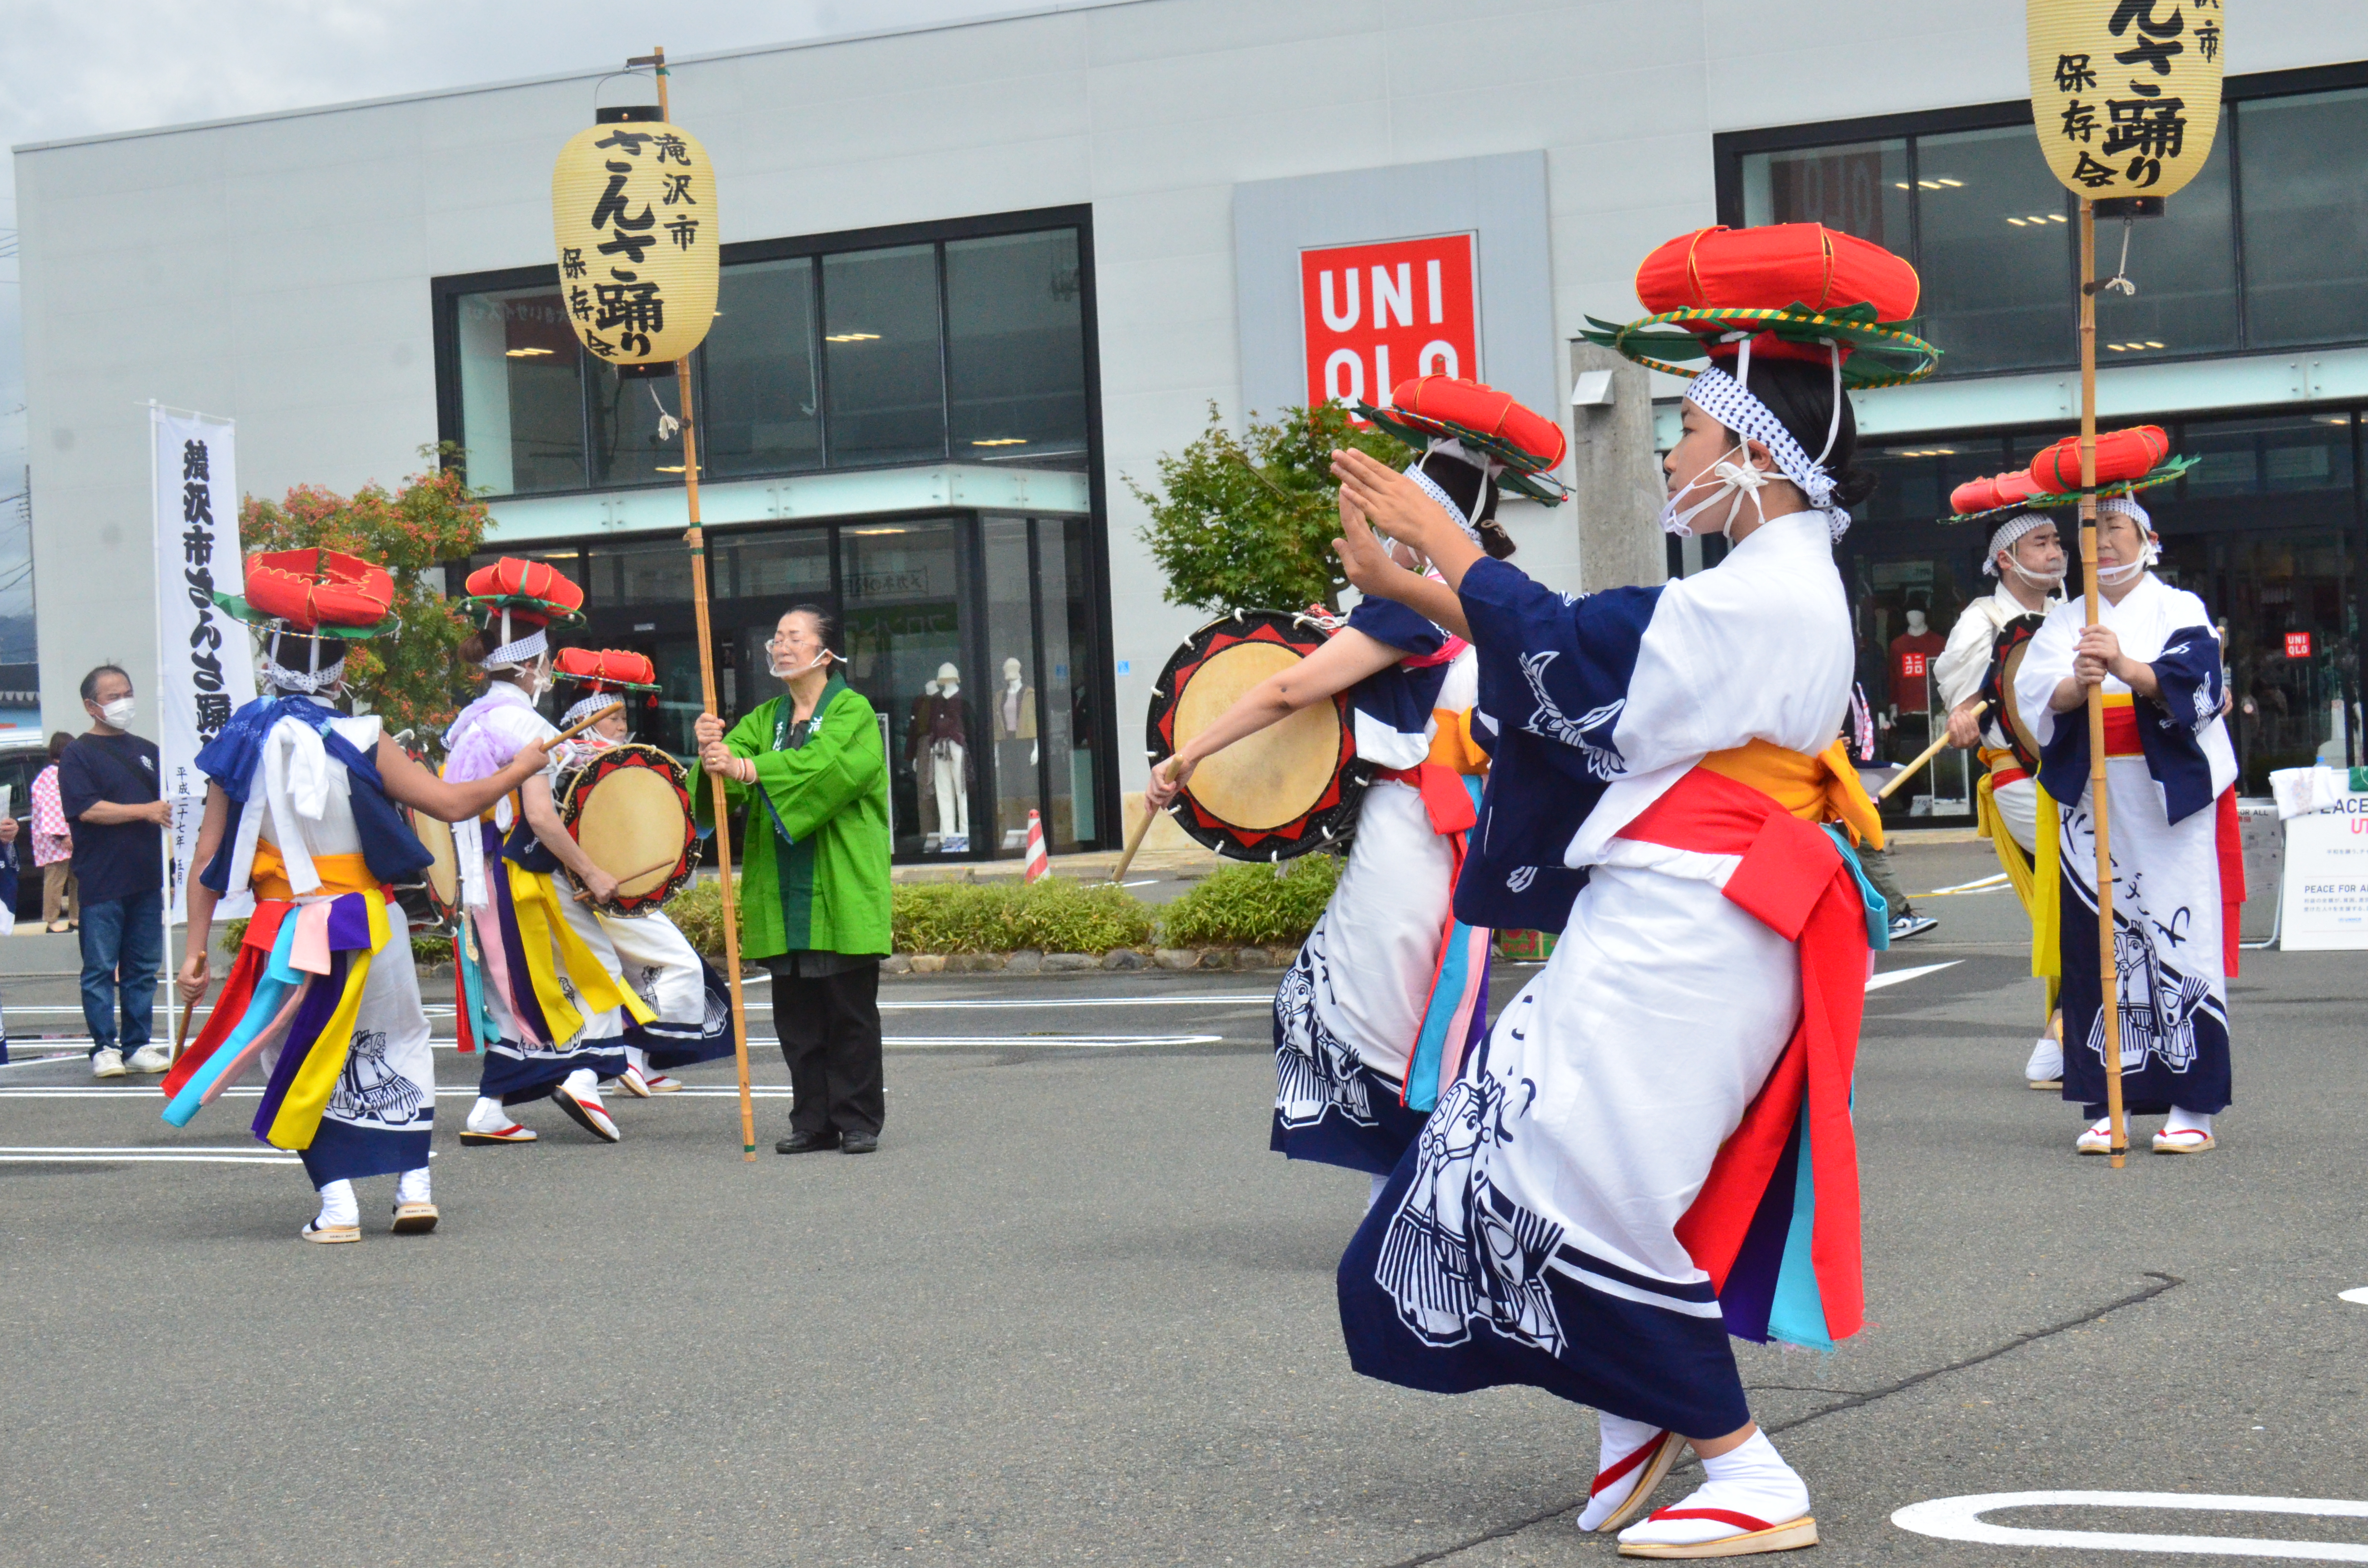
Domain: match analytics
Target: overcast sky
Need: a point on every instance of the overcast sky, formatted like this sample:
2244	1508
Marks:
81	68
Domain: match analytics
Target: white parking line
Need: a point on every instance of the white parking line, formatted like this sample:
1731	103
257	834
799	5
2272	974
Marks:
1996	882
1901	976
2357	1295
29	1155
1960	1518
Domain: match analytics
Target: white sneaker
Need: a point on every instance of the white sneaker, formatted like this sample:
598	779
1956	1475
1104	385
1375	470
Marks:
106	1063
149	1059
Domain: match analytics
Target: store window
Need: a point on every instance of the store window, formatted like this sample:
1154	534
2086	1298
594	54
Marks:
973	345
521	390
765	409
1014	348
2263	249
2306	219
905	589
884	366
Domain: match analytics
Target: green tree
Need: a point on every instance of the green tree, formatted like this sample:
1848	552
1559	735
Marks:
1248	523
414	676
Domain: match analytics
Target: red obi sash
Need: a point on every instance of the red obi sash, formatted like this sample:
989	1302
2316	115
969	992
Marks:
1794	881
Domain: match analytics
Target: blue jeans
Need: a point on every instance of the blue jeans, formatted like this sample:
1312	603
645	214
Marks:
122	944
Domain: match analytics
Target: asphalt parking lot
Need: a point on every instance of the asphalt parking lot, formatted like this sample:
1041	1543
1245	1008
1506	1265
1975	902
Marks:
1073	1312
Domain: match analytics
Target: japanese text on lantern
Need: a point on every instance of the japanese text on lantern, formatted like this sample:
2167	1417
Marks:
634	214
1373	315
2124	93
197	571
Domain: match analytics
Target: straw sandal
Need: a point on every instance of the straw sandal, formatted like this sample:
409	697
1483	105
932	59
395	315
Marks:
1657	1458
414	1219
1757	1536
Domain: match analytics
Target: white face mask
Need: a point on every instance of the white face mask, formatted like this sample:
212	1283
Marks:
1726	475
774	667
2045	583
117	713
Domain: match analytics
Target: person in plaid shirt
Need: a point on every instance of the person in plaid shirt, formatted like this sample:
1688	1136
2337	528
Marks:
53	845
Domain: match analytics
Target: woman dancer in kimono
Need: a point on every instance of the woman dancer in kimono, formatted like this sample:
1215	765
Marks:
1652	1149
692	1005
540	990
299	834
1389	989
2178	869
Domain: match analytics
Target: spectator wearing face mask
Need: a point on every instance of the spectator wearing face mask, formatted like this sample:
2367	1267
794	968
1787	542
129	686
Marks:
108	785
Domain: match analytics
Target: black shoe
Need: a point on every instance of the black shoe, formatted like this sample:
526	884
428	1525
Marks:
858	1142
806	1142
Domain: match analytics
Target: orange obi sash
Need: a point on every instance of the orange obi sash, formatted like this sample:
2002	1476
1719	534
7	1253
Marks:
2000	763
1823	787
2120	725
338	874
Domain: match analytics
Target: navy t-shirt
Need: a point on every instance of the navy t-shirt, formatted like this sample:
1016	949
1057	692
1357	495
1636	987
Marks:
118	859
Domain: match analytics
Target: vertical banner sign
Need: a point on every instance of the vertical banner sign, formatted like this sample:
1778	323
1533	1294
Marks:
2124	93
206	668
1373	315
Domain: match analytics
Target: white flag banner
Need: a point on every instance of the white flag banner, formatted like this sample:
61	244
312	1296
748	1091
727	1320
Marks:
206	666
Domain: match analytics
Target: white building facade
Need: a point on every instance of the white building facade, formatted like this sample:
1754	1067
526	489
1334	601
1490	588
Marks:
978	277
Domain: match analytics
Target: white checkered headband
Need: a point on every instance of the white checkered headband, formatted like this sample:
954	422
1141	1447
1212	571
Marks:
526	650
2010	533
2127	505
1727	401
308	682
1489	468
599	701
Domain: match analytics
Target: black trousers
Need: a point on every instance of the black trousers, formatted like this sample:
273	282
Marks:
829	1027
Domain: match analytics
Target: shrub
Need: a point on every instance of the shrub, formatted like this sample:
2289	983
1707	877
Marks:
1053	915
1252	906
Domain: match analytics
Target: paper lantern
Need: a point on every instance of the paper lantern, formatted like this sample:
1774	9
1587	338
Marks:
2124	93
632	212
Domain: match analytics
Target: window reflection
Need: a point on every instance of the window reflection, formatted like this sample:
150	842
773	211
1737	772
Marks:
764	404
1014	348
2305	223
1996	252
522	391
882	354
1860	189
631	443
2185	262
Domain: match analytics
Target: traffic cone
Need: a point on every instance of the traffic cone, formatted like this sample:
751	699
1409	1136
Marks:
1039	864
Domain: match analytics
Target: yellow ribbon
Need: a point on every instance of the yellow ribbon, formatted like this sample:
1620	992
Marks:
543	928
298	1120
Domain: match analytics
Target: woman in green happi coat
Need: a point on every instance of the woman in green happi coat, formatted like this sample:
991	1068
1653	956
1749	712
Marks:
807	774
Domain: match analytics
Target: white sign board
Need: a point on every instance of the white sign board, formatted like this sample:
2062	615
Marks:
2323	900
205	666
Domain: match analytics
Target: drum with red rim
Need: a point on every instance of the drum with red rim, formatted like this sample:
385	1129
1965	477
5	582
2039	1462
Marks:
629	806
2007	651
1293	787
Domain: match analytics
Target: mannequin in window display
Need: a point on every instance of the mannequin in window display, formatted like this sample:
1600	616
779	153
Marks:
939	749
1015	751
1912	653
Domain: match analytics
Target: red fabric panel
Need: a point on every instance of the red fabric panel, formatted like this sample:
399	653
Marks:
238	989
1444	798
2231	844
1792	871
2120	731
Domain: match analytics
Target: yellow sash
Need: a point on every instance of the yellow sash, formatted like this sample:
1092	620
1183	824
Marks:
338	873
1451	746
543	928
1823	787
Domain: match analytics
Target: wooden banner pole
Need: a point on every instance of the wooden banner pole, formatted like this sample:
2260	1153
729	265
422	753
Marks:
697	541
2108	975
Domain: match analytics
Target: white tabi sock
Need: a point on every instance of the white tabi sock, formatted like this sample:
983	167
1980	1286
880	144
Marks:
487	1116
1751	1479
1619	1439
2188	1121
338	1206
412	1186
2046	1061
583	1083
639	1059
1373	1194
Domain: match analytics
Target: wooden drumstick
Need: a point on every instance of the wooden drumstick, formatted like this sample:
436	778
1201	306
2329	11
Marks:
1913	768
669	864
1133	843
572	730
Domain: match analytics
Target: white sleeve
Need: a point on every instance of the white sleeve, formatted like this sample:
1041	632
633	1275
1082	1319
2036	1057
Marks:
1958	671
2045	663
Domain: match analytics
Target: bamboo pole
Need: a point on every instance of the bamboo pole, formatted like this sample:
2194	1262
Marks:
696	539
2109	979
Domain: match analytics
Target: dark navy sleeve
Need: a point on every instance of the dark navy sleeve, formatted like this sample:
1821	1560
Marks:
2171	727
1386	621
1553	677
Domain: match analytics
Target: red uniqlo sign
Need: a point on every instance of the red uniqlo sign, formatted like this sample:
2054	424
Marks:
1912	665
1373	315
2297	644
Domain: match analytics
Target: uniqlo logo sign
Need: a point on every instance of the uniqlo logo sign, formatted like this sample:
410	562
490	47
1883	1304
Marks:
2297	644
1373	315
1911	664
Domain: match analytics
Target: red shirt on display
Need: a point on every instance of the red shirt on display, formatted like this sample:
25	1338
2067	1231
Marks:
1911	662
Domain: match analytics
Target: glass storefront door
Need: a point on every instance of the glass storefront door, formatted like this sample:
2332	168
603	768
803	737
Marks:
905	588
